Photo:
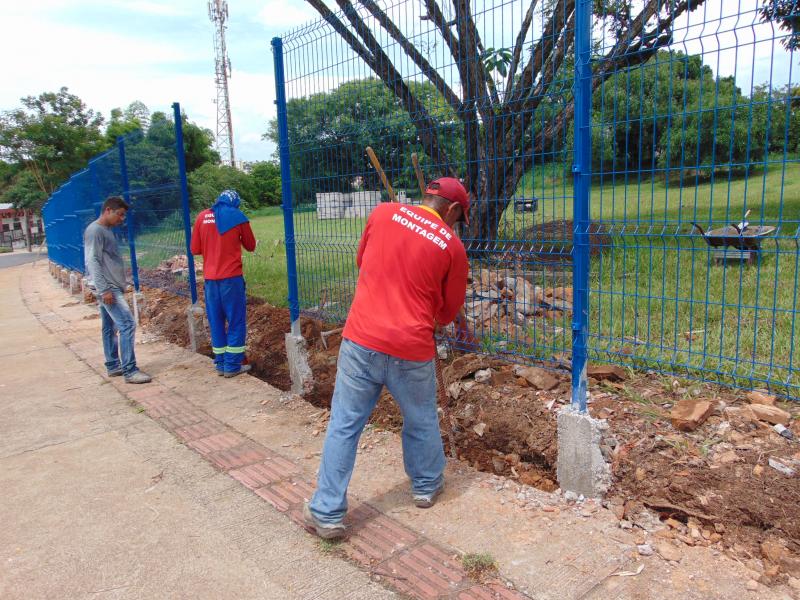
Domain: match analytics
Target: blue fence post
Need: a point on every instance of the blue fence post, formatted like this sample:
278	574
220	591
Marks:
582	171
286	186
187	224
126	195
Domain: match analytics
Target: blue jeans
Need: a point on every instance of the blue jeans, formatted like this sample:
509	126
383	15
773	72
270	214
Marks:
360	376
118	318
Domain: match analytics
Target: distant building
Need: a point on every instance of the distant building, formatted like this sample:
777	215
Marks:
13	231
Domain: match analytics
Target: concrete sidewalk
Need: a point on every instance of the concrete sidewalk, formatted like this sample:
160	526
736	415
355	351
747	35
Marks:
190	486
100	501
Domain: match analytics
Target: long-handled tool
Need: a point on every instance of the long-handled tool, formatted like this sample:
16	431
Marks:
375	163
418	171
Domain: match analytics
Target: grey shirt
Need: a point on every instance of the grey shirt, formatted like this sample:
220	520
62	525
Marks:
103	261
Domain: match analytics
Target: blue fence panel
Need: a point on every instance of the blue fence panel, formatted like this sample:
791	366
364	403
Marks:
683	123
142	167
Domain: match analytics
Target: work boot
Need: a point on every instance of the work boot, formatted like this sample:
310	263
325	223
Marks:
138	377
242	369
327	531
115	372
428	500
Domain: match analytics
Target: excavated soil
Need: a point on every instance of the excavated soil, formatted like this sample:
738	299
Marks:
712	486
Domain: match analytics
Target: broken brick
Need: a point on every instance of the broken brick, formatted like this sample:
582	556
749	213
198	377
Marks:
538	378
770	414
688	415
607	373
757	397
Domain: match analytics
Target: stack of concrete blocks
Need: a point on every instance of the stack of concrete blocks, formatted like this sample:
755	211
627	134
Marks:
331	205
361	204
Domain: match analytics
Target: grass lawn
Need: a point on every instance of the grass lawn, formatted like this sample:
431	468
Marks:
657	297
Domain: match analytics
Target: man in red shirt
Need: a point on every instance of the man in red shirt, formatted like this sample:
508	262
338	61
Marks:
219	234
412	277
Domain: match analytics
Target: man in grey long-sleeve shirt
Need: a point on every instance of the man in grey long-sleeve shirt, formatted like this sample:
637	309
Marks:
106	273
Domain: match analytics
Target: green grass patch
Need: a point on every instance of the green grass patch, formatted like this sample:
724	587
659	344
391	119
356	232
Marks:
478	564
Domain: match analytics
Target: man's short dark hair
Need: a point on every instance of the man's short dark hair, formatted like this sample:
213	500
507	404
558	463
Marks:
115	203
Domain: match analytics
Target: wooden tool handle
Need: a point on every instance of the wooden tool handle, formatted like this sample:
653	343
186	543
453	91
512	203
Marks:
418	171
374	160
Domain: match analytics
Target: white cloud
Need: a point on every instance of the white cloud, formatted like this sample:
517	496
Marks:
280	14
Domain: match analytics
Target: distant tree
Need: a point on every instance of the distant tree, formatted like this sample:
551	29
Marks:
50	137
134	118
197	141
266	176
330	132
206	183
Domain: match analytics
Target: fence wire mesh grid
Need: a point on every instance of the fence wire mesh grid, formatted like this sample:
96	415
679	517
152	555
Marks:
143	169
693	210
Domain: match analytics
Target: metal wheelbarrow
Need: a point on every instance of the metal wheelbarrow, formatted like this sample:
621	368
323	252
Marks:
744	239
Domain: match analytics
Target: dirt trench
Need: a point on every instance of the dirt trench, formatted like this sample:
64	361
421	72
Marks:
713	486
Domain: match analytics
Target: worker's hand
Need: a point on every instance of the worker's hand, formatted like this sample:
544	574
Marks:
108	298
463	333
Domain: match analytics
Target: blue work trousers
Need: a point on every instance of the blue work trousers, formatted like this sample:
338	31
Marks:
226	310
360	376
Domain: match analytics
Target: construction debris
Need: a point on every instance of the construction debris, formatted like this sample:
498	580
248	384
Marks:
688	415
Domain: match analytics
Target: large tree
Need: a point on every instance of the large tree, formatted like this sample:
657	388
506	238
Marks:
499	90
47	139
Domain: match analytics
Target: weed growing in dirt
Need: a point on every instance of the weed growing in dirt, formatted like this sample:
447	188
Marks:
478	564
329	546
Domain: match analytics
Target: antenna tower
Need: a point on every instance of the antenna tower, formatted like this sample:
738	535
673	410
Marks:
218	13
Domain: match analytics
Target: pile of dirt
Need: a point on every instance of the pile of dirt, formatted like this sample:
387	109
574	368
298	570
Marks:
732	483
552	241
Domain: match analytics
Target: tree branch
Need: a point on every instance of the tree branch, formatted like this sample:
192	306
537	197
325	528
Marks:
392	79
478	84
432	74
517	54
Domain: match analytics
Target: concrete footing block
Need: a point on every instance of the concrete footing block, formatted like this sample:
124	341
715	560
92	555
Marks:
139	306
63	277
299	370
194	314
74	283
581	467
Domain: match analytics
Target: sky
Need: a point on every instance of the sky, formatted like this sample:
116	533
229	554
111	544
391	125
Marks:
112	52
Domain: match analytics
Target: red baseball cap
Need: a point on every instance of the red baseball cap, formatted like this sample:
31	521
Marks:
451	189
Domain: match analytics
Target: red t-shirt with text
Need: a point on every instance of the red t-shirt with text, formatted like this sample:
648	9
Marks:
222	254
413	271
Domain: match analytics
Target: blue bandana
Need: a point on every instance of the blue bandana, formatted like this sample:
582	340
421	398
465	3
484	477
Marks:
226	211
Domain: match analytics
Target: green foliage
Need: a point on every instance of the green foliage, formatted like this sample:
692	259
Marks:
134	118
206	183
197	141
787	14
51	136
357	114
266	177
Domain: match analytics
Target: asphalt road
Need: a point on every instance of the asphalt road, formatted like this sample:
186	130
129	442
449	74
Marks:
12	259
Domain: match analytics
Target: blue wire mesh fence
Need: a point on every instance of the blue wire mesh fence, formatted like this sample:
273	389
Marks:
693	210
142	167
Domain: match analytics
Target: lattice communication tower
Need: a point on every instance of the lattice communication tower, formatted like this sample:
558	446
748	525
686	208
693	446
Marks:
218	13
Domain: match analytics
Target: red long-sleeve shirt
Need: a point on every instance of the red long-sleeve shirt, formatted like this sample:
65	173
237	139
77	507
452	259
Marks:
222	254
413	272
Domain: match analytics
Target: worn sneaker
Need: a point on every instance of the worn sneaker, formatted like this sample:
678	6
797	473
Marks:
220	373
428	500
327	531
243	369
138	377
115	372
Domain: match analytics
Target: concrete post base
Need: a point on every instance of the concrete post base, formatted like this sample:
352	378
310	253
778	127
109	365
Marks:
581	467
74	286
299	370
194	314
139	305
63	277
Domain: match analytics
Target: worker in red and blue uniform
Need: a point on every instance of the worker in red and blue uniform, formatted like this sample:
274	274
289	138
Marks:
219	234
